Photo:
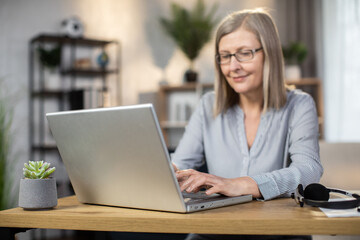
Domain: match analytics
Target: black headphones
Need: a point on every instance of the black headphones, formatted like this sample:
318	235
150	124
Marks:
317	195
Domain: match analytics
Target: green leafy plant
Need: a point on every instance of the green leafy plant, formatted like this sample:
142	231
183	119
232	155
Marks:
294	53
50	57
37	170
191	30
5	124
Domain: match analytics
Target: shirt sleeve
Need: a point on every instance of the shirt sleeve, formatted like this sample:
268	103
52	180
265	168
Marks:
190	151
303	150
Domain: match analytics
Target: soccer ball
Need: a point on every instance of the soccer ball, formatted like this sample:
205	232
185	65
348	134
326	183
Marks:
72	27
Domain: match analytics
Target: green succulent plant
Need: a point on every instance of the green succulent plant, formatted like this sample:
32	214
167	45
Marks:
37	170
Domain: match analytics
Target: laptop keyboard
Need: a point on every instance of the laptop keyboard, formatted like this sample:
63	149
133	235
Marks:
199	197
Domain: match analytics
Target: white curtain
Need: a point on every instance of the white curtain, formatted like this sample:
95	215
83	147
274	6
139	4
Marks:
341	69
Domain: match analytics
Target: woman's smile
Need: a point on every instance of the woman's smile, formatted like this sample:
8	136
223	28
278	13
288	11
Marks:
239	78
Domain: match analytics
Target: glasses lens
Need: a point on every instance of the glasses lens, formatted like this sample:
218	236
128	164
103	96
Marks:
241	56
244	55
223	58
218	59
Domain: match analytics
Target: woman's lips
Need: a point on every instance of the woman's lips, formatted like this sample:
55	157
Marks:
239	78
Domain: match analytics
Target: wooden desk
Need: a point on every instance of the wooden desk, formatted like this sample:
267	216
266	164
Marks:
276	217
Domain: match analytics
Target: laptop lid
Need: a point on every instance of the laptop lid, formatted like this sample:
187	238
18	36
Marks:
117	156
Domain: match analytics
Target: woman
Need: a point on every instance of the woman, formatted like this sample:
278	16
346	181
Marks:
256	136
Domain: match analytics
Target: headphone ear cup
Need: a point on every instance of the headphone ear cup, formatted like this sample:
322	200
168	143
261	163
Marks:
317	192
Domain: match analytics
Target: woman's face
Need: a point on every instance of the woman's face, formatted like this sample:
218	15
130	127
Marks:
244	77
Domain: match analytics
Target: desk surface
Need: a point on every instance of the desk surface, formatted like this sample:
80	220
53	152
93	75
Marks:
279	216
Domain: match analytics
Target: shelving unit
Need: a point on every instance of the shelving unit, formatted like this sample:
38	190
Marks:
312	86
169	124
61	97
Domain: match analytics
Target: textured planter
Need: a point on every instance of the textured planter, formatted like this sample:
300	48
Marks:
292	72
37	193
190	76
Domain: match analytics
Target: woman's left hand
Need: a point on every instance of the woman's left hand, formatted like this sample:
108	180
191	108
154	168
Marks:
192	181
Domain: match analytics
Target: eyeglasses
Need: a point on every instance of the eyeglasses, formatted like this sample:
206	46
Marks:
241	56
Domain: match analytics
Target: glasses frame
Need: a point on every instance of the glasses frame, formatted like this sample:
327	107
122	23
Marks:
253	51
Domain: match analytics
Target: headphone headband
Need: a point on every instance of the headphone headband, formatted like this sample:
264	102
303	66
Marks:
317	195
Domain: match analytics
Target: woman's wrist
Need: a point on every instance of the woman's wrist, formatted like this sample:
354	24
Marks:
249	186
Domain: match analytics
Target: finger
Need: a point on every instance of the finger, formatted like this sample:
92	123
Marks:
218	186
222	187
196	183
195	190
185	173
212	190
188	184
175	167
180	178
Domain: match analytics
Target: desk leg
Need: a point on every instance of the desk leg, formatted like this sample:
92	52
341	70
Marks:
9	233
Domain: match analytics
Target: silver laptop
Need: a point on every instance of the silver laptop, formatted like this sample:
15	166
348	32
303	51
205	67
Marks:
117	157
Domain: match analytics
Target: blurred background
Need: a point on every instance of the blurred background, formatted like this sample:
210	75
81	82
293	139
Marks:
74	54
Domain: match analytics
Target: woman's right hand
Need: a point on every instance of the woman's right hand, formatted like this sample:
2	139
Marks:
192	181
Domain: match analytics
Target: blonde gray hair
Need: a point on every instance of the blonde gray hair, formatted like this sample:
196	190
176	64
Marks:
260	23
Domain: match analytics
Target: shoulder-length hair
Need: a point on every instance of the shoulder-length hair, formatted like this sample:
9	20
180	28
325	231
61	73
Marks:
260	23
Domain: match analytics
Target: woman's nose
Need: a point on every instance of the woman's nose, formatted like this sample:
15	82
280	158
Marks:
234	64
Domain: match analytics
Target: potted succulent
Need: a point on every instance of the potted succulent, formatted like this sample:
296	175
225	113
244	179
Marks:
294	55
37	188
190	30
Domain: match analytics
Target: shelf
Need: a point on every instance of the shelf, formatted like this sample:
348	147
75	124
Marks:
88	72
61	39
74	87
47	147
304	82
49	93
186	87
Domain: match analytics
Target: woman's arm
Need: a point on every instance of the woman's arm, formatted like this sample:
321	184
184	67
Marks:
303	151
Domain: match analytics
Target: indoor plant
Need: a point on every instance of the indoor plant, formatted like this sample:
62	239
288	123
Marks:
191	30
37	188
294	54
5	181
50	59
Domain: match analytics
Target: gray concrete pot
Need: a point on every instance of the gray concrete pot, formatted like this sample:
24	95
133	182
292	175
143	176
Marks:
37	193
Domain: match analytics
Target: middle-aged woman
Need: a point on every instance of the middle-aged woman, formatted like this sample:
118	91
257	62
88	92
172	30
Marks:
256	136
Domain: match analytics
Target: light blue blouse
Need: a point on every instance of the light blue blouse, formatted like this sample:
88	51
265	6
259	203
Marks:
285	151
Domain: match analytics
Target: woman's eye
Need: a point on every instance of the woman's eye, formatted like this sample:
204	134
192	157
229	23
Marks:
244	54
227	56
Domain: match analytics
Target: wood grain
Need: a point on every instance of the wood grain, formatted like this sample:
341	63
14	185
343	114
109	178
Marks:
280	216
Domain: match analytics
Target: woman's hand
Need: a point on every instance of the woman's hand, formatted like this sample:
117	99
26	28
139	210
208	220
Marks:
192	181
175	167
